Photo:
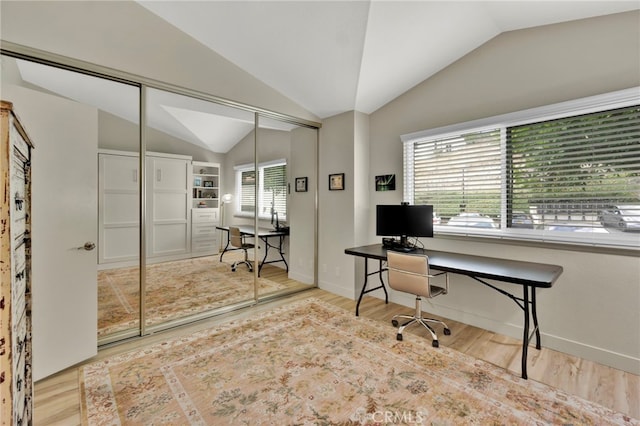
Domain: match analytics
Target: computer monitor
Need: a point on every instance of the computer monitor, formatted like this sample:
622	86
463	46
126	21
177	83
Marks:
404	221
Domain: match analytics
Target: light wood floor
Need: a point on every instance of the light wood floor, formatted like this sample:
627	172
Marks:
57	397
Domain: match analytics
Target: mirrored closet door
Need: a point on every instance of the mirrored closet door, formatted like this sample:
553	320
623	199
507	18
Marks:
286	201
85	205
190	202
176	185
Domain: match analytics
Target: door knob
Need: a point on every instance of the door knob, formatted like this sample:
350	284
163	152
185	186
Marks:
88	246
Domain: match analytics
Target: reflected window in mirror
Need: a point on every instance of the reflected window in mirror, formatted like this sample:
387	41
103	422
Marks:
272	190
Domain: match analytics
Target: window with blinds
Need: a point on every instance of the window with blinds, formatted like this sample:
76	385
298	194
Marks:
572	176
459	175
247	191
567	171
272	189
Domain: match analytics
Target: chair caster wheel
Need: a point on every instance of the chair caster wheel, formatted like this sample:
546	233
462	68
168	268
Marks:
233	269
399	337
435	344
447	331
394	323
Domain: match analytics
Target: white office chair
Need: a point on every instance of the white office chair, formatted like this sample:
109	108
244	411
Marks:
238	241
410	273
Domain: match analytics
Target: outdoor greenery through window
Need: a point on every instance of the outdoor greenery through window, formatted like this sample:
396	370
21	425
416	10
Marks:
272	190
574	178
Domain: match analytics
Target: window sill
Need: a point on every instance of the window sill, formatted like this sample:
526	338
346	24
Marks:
261	218
539	242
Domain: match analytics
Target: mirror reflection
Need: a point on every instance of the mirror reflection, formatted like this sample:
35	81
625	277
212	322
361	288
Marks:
229	204
187	142
85	190
287	154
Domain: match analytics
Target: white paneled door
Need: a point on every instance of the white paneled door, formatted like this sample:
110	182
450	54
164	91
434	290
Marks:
64	167
168	201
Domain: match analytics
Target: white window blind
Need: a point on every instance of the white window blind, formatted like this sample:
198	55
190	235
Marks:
247	191
567	171
459	174
272	189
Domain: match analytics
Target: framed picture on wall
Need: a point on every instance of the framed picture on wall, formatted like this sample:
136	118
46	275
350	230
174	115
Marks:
386	183
301	184
336	182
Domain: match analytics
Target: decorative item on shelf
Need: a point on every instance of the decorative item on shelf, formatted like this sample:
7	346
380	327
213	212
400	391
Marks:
301	184
197	181
336	182
202	204
208	184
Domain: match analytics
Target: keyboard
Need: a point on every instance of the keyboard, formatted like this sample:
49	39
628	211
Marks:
402	249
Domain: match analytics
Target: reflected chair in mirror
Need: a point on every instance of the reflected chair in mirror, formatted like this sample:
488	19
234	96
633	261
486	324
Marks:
409	273
237	240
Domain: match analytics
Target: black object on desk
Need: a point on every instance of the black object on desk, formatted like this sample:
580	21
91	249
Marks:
397	245
264	234
529	275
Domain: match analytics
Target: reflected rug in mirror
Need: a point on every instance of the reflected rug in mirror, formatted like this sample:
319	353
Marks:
309	362
174	289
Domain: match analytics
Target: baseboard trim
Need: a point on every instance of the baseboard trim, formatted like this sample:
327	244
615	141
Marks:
336	289
596	354
303	278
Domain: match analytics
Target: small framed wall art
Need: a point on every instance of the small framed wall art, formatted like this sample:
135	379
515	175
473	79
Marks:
386	183
336	182
301	184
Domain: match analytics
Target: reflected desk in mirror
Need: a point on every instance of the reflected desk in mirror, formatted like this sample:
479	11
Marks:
266	235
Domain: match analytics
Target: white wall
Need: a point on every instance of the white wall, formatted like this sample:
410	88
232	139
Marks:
337	208
593	310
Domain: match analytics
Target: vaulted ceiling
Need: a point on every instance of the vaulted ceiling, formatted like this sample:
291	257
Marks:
336	56
327	56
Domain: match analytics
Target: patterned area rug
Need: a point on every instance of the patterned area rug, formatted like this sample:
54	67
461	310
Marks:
174	289
312	363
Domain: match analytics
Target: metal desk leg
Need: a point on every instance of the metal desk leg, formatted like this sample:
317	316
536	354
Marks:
534	312
386	295
226	246
281	241
364	286
266	253
525	338
523	303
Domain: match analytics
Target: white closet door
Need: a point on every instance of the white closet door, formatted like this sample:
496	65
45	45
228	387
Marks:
168	206
64	196
118	215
